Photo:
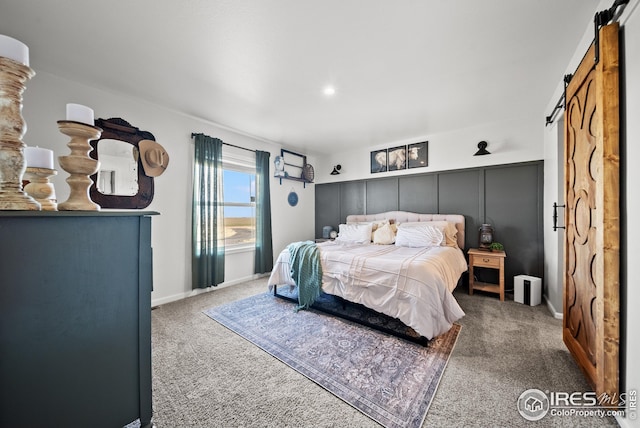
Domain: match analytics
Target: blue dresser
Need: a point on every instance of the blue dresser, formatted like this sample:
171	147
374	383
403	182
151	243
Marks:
75	318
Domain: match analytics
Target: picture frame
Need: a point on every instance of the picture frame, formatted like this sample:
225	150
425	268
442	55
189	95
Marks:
397	158
418	155
379	161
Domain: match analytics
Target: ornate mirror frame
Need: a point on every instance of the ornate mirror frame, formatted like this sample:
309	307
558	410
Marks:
120	129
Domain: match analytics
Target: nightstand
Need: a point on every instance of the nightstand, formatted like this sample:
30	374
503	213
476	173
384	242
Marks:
491	260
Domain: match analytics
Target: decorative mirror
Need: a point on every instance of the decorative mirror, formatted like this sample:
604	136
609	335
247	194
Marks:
118	173
120	181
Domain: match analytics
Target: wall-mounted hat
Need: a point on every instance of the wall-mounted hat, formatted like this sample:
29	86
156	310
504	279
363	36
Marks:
154	157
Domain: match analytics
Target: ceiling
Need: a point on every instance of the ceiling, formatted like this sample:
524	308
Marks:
401	69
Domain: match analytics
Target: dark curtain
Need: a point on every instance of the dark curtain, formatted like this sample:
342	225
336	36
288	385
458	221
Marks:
264	247
207	265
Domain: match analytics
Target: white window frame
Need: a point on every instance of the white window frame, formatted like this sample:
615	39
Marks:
241	161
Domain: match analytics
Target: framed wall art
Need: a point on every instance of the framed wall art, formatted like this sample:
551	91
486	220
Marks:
378	161
397	158
418	155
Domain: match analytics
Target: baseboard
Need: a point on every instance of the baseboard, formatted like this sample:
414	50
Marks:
556	315
184	295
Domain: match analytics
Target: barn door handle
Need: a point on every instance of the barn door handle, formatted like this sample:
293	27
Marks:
555	216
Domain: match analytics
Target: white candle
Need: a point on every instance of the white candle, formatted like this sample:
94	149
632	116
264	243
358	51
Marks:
80	113
38	158
14	49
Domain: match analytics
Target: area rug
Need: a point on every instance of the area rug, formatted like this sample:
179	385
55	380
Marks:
389	379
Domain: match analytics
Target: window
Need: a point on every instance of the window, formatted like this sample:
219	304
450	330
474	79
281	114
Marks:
239	198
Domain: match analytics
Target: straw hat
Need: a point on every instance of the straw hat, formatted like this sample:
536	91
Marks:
154	157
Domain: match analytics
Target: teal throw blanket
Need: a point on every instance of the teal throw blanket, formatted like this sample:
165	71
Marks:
306	271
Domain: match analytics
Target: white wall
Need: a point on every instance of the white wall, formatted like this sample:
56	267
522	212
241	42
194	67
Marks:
508	141
553	193
630	128
44	104
632	198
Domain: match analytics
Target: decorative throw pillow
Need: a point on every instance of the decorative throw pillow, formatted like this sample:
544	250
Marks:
419	235
375	224
451	235
384	235
450	232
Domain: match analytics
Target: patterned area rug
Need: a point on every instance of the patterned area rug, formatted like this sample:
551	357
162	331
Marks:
388	379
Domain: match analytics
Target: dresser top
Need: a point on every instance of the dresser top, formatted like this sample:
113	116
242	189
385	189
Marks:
102	213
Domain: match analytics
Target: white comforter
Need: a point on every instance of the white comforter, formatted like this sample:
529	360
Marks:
411	284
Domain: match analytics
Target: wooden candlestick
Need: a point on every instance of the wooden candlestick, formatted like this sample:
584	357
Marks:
13	77
79	165
40	188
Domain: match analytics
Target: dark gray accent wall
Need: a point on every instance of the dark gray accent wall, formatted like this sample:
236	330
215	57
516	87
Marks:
335	201
515	212
352	198
418	192
382	195
509	197
327	206
458	193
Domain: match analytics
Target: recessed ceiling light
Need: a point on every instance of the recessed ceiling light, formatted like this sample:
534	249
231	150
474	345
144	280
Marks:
329	91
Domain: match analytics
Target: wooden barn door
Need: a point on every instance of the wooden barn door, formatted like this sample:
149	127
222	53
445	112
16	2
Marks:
591	288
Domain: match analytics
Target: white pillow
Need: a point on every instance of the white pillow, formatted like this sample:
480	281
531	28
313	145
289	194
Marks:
360	223
354	233
419	235
384	235
449	229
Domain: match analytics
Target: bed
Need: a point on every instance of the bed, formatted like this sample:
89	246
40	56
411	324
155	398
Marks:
411	279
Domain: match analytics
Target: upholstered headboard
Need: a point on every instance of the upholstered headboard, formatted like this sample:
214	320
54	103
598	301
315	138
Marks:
404	216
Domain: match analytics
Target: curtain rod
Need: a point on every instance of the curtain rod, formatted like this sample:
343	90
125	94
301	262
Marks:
193	134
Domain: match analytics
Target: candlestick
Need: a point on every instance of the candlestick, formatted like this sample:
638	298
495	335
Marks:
79	165
14	49
80	113
40	188
13	78
38	158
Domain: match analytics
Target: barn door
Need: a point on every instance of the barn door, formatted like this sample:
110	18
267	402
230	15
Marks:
591	287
